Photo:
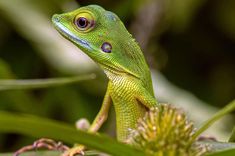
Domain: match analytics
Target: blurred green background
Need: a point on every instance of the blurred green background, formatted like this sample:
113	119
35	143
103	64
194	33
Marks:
191	43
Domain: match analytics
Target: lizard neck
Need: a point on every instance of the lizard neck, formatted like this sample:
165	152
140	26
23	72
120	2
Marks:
138	70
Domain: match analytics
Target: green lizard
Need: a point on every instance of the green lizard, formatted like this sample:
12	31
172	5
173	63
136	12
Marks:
103	37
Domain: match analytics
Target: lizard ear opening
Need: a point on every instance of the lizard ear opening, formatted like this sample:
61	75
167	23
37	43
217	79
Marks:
106	47
84	22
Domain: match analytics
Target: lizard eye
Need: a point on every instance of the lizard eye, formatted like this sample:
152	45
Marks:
84	21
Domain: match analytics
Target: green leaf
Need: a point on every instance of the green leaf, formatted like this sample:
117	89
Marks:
227	109
232	138
49	153
41	83
44	153
230	152
46	128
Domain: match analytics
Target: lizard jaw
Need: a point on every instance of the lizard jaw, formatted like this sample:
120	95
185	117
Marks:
68	34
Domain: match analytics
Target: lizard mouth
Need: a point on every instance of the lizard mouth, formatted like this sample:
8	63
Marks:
64	31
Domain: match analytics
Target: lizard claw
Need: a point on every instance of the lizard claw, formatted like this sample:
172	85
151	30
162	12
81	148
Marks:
43	143
77	150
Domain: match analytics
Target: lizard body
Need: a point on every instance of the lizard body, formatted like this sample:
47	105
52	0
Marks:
103	37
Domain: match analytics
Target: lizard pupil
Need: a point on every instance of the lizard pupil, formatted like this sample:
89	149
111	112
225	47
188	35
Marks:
82	22
106	47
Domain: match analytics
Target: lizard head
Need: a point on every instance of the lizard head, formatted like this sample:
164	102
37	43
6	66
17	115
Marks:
103	37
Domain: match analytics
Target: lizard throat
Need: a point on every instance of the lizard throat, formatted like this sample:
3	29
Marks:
111	71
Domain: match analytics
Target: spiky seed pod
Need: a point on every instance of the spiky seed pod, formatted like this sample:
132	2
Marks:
165	131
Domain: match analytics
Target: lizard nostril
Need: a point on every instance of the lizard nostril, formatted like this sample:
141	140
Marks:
56	18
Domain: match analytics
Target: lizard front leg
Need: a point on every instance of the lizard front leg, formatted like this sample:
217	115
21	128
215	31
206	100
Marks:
102	115
96	124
